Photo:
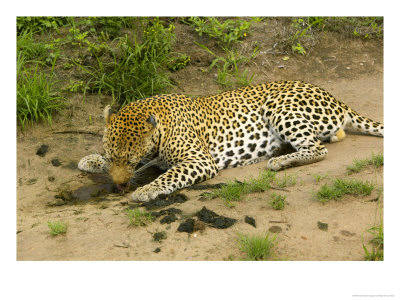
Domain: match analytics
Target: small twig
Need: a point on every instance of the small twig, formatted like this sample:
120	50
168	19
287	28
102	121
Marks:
279	189
277	221
123	245
77	132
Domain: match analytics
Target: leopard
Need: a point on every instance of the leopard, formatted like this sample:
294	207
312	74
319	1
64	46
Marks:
193	138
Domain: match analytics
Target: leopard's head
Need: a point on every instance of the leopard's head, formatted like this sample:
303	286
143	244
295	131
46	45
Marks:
128	139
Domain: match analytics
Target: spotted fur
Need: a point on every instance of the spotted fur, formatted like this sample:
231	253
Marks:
194	138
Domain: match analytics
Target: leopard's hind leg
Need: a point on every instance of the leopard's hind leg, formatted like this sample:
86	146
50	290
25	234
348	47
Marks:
309	148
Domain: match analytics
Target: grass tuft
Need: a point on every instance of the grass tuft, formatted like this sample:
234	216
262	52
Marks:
277	201
232	191
342	187
358	165
376	254
37	98
286	180
139	218
236	190
257	247
262	183
57	227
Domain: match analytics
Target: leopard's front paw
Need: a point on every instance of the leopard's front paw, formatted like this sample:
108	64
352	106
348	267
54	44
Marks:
145	194
94	163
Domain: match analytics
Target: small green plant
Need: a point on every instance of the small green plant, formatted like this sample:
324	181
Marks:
228	73
318	177
302	33
358	165
68	66
236	190
232	191
298	48
109	26
257	247
277	201
139	218
177	61
286	180
342	187
75	86
226	33
57	227
377	241
40	24
261	183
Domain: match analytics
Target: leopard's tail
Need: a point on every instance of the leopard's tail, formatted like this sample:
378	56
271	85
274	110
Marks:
358	123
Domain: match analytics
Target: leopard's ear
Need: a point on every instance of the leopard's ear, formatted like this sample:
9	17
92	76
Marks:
152	120
108	116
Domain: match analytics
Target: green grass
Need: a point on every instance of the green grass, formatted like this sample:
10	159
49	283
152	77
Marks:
256	247
228	71
232	191
376	254
40	24
260	184
355	27
138	68
236	190
57	227
341	187
139	218
31	50
305	32
37	96
225	32
286	180
318	177
91	55
358	165
277	201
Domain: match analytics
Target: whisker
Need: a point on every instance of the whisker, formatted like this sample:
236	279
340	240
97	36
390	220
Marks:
148	164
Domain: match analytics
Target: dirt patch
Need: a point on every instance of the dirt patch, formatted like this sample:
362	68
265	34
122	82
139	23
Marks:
98	229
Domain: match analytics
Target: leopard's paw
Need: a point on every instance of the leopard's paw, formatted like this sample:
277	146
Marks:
94	163
145	193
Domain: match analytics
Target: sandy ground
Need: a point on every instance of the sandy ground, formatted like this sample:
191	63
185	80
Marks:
99	230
